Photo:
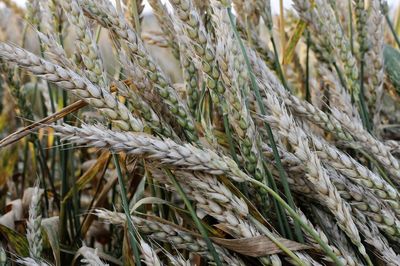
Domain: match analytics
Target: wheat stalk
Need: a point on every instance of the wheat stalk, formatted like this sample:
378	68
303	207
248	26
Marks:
161	13
377	240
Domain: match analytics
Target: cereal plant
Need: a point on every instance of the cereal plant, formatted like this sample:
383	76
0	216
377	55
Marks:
187	132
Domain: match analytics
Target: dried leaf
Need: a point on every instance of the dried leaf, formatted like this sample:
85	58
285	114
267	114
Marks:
50	227
88	175
258	246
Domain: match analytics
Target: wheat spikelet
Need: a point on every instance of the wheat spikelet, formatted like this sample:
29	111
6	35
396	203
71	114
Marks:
330	154
377	240
14	7
322	19
161	13
86	46
90	257
164	151
107	16
378	149
100	98
150	257
167	233
31	262
317	175
34	232
373	70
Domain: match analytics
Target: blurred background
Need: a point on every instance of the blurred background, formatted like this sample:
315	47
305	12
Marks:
274	3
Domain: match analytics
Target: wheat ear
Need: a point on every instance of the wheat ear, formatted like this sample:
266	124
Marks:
86	46
166	151
96	96
170	234
107	16
317	175
34	230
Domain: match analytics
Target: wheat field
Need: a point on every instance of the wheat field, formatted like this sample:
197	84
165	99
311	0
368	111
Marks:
207	132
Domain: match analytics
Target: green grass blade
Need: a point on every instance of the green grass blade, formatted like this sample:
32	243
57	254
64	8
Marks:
196	220
277	158
125	206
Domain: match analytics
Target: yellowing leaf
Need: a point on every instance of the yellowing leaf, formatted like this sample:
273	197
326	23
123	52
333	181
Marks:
294	39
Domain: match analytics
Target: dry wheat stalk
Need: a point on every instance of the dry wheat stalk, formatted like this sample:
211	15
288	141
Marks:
264	8
337	93
335	235
178	260
366	202
190	73
235	77
195	37
215	199
248	12
96	96
322	19
344	256
31	262
377	149
153	120
191	77
14	7
297	106
32	13
142	88
357	196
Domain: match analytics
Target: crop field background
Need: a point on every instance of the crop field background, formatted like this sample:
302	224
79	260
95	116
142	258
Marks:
199	132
